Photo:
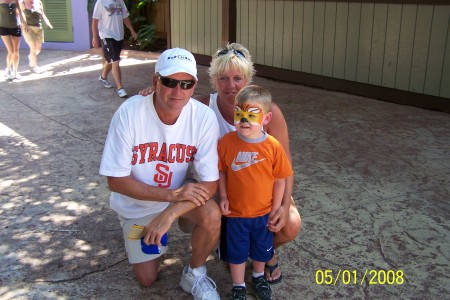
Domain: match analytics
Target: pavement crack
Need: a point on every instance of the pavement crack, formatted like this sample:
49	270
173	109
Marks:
54	120
383	255
342	266
88	138
81	275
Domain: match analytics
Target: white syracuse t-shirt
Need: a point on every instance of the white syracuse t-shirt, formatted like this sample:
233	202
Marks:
138	143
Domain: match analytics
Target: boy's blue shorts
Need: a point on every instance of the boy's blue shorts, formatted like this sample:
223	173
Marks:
245	237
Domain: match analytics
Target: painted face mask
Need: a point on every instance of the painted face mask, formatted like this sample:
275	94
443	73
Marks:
251	113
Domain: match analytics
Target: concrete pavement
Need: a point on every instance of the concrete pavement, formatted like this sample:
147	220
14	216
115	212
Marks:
372	185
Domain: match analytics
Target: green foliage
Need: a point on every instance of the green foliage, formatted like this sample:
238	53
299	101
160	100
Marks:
138	10
138	17
146	36
90	6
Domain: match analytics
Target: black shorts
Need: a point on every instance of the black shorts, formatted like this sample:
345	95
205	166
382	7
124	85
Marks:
112	49
11	31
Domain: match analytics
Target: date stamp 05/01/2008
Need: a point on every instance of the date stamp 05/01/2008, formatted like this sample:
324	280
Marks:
380	277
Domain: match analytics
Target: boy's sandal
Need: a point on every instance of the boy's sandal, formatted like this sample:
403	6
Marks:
272	268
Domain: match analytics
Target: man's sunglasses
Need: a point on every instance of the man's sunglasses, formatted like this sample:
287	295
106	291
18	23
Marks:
236	52
172	83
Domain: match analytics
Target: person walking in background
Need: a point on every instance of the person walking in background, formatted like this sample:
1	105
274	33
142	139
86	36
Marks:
11	20
253	168
34	36
150	145
107	22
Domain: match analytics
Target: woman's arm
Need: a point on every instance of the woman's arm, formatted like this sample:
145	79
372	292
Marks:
277	194
46	21
277	127
21	14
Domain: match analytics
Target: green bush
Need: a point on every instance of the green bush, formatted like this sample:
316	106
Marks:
138	17
146	36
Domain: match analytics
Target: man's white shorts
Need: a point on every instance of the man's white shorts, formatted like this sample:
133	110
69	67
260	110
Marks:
133	247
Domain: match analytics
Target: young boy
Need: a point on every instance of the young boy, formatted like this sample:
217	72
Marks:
253	167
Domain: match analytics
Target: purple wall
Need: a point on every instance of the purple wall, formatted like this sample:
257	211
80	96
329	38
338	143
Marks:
81	30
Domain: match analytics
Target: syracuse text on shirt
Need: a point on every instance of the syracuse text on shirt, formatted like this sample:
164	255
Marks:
154	151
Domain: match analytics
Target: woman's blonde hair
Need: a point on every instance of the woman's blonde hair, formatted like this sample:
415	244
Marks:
233	56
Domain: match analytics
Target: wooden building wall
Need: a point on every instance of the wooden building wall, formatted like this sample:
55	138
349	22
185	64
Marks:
196	25
400	46
353	46
156	14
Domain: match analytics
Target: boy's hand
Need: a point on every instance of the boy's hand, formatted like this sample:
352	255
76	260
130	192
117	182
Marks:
224	207
134	35
277	219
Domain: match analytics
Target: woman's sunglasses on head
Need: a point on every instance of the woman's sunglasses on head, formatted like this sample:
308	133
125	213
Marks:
236	52
172	83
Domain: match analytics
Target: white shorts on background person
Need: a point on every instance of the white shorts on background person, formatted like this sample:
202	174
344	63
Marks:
34	34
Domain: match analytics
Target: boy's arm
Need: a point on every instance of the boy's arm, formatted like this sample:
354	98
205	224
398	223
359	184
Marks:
277	127
127	23
277	194
95	43
223	197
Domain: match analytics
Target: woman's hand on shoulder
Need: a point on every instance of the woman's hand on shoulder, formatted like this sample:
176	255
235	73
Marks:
147	91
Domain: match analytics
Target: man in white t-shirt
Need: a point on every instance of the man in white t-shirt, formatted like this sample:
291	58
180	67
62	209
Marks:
107	21
151	142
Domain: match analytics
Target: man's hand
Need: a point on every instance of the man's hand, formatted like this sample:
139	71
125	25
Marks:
154	231
278	219
197	193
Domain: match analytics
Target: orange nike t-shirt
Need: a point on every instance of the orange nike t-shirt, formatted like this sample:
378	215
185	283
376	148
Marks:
251	169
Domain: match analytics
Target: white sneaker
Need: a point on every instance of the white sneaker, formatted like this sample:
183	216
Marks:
37	70
104	82
122	93
198	284
8	74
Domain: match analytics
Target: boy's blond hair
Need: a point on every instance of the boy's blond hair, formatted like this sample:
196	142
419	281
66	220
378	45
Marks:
255	94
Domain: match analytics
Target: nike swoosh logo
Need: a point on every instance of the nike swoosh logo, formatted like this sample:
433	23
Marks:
269	249
236	167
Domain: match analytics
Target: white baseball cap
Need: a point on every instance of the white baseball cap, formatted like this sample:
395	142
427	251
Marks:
176	60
